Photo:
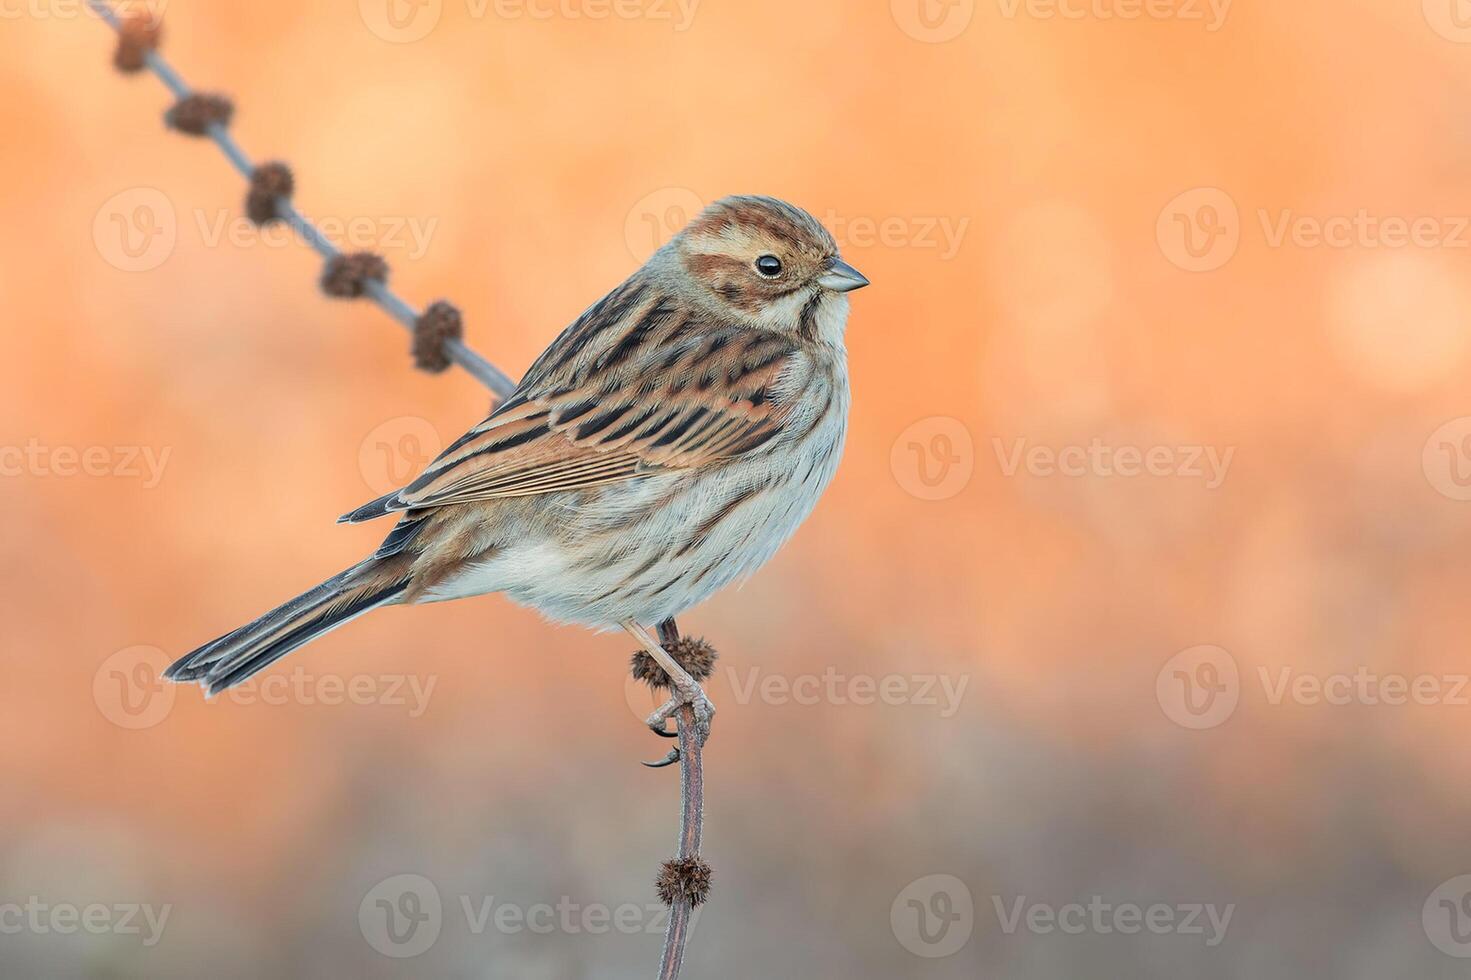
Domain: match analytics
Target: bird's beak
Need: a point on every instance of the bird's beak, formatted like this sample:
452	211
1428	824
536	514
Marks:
842	278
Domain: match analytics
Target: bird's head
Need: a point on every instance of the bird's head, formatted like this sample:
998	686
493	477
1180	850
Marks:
765	262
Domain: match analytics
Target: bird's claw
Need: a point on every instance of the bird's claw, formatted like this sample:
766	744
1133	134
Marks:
668	760
700	705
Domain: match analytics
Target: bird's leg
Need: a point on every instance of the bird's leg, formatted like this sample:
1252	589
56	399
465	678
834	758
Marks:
684	688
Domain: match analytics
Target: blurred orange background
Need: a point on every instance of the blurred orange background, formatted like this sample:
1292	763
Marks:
1159	427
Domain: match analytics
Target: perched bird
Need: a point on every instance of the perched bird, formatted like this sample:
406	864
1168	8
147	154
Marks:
666	444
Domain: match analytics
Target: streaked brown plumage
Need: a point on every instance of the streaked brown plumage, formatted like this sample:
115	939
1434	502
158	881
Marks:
665	444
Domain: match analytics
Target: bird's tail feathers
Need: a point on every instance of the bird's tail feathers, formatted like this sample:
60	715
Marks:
253	647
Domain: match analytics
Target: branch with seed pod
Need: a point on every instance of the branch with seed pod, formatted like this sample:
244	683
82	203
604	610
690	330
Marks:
437	332
683	881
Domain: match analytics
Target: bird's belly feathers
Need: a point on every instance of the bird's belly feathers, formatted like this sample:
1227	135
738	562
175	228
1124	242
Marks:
650	548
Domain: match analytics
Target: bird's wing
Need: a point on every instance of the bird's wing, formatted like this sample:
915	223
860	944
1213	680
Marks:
651	393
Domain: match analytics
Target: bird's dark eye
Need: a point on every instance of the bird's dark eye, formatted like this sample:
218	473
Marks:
769	266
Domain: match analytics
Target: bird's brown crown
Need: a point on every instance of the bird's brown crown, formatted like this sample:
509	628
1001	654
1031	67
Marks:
753	251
